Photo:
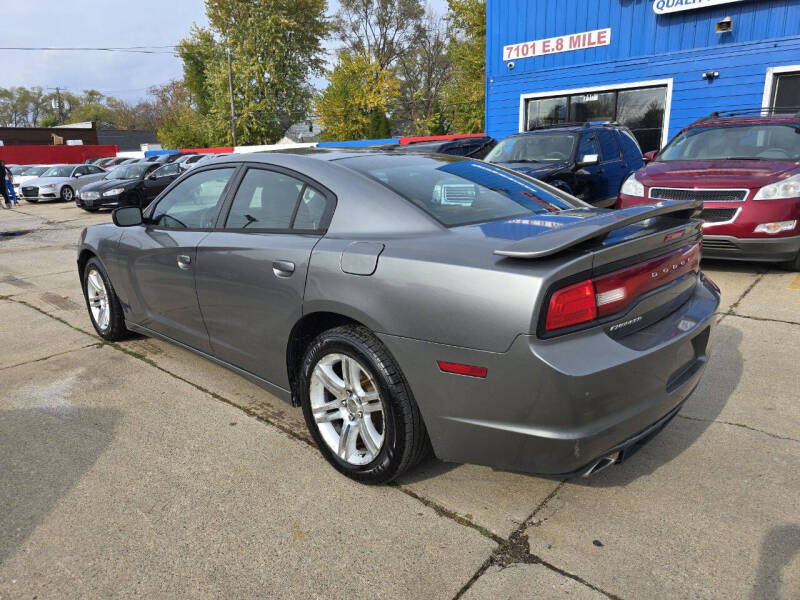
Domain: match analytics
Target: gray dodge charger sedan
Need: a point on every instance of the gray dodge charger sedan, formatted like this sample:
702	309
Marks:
410	302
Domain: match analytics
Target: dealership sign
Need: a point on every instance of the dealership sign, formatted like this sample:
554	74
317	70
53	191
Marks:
663	7
561	43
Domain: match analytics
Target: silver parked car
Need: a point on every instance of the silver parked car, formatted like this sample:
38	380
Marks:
60	182
410	301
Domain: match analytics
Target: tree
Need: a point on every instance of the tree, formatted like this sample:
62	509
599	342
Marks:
383	30
464	95
276	46
177	123
424	71
359	92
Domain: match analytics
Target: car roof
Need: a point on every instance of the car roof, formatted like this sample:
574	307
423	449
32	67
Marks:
718	121
572	128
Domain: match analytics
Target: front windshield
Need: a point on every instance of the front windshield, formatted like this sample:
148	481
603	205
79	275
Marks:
128	172
776	141
538	147
457	192
17	170
63	171
35	171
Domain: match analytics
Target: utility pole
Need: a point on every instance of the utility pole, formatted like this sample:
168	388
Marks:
230	91
59	105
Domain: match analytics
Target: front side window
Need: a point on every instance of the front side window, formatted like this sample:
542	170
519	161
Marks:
775	141
193	203
588	146
537	147
264	200
458	191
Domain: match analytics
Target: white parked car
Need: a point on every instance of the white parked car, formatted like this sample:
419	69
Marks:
60	182
27	173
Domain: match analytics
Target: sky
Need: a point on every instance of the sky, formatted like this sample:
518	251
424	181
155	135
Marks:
100	23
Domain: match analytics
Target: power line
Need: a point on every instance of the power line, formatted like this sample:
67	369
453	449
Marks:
126	49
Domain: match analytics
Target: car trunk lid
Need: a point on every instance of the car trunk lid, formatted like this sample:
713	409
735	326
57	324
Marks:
636	263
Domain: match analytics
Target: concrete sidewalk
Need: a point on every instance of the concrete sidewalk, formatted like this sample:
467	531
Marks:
140	469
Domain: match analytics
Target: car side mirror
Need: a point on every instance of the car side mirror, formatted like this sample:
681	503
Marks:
648	156
127	216
152	176
588	160
76	175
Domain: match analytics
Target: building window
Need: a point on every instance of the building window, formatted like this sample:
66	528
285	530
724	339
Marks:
640	109
786	92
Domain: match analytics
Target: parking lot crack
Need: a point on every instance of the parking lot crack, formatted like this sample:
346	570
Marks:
47	314
516	550
49	356
765	319
742	425
732	308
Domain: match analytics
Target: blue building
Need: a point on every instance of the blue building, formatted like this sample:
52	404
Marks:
653	65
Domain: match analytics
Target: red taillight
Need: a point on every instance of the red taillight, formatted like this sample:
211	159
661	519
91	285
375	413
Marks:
459	369
571	305
617	290
609	294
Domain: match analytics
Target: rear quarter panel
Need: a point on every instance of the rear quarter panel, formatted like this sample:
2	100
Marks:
453	292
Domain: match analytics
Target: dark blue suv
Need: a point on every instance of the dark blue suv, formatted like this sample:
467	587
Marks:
589	161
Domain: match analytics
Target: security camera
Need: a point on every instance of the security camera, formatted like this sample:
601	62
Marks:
510	65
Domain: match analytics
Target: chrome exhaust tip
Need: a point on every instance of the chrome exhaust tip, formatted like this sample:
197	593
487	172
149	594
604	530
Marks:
603	463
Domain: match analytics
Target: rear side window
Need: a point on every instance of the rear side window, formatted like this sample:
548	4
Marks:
276	201
311	211
608	145
459	192
630	147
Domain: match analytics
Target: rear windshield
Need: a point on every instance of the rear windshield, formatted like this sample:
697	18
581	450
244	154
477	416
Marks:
457	192
35	170
765	141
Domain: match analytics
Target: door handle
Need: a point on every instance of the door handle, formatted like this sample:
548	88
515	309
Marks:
184	262
282	268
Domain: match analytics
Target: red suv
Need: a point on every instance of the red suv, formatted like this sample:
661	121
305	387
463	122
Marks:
746	170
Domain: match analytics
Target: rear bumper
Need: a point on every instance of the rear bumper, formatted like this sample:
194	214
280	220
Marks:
554	407
756	249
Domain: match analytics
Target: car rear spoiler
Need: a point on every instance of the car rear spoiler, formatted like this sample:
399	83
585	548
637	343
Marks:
557	240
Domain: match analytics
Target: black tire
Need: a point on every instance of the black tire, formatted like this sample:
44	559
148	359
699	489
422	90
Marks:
67	194
405	437
792	265
115	330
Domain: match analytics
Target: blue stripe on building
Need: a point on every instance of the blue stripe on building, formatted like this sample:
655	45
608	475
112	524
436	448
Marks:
667	53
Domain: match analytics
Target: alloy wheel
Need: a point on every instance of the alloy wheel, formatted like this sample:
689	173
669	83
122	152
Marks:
347	408
97	296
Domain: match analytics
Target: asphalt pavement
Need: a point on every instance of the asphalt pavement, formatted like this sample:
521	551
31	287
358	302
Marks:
138	469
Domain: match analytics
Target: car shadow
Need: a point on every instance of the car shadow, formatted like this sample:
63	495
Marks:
736	266
778	548
44	452
711	395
